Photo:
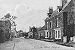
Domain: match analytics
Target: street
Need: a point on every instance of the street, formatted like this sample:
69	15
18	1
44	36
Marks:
31	44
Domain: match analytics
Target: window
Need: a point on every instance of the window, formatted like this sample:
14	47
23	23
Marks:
51	34
57	34
47	34
57	22
59	10
50	24
47	25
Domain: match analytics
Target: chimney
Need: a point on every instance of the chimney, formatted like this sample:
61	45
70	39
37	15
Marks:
50	11
63	2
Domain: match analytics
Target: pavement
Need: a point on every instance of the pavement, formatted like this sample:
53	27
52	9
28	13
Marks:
47	40
32	44
71	44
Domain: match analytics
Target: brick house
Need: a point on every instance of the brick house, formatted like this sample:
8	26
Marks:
61	22
69	19
50	23
66	21
41	32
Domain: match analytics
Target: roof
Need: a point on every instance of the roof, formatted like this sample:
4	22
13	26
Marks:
41	28
66	4
47	18
64	7
54	13
44	27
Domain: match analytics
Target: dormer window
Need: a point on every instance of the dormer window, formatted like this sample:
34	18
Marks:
59	8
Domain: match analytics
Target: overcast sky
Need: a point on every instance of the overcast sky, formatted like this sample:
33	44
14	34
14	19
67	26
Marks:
29	12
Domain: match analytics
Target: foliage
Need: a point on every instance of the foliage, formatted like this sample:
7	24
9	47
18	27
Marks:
7	15
5	34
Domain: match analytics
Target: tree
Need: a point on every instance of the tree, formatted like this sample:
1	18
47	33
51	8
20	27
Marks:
7	15
11	19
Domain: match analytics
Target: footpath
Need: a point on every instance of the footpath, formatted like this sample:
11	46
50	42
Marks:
71	44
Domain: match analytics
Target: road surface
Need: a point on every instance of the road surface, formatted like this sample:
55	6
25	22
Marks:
31	44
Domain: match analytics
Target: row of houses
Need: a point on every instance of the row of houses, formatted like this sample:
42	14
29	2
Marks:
60	24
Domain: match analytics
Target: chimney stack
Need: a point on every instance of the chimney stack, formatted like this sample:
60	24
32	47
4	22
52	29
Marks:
63	2
50	11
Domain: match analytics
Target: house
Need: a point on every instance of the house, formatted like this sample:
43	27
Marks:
61	22
69	19
30	34
48	25
33	32
41	34
66	21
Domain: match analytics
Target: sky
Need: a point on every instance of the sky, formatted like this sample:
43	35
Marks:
28	12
